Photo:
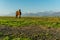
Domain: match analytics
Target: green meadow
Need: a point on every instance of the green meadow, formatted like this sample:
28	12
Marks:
29	21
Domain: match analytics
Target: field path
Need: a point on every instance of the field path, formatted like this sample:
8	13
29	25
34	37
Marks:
34	32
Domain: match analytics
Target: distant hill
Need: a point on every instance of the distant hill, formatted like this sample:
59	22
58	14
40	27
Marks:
43	14
38	14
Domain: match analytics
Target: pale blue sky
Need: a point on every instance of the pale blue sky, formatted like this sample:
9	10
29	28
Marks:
10	6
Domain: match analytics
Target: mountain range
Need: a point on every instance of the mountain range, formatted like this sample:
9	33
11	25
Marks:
46	13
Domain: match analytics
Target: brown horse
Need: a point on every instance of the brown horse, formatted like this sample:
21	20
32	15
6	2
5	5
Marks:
18	14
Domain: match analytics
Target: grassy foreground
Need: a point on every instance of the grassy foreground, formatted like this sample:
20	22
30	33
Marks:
28	21
30	28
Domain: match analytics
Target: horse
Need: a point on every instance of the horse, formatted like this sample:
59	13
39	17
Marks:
18	14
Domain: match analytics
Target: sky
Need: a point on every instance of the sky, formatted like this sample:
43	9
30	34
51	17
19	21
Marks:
28	6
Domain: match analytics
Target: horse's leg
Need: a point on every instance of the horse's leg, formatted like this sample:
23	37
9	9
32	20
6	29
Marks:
19	16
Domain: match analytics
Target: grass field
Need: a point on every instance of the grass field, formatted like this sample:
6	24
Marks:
30	28
28	21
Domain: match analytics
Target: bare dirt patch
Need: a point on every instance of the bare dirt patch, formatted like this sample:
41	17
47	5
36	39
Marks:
33	32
